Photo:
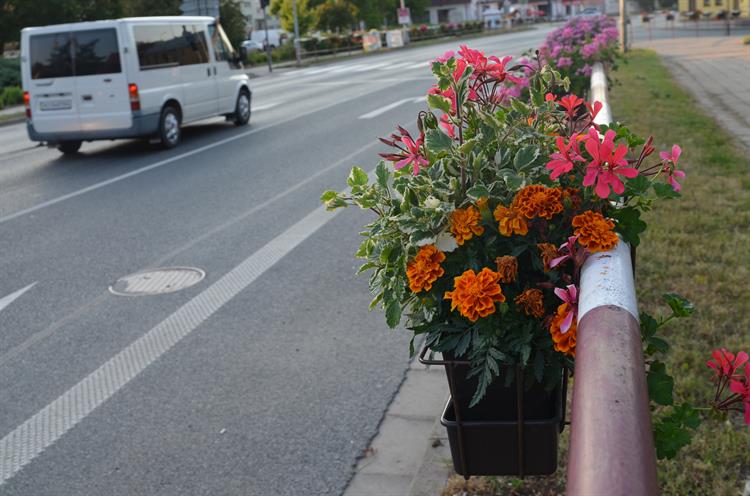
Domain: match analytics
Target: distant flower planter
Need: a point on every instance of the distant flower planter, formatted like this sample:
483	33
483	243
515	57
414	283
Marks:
488	439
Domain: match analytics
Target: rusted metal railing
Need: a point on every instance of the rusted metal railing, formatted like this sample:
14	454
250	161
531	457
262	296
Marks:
611	442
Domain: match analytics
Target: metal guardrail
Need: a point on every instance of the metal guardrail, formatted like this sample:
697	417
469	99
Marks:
611	441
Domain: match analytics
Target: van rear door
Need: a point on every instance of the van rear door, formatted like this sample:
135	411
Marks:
101	84
51	85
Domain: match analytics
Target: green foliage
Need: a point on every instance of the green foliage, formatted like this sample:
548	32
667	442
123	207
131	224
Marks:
673	426
12	95
284	9
233	22
335	15
10	72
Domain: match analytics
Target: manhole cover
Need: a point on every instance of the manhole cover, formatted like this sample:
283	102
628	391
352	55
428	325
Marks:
157	281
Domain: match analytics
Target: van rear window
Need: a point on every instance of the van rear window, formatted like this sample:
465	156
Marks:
80	53
96	52
51	56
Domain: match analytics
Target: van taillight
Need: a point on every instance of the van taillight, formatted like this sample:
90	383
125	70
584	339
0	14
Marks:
27	104
135	100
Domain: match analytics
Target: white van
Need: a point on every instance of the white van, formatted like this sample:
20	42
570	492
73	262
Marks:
128	78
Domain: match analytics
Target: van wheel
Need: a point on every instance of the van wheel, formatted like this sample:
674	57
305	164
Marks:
169	127
242	108
69	147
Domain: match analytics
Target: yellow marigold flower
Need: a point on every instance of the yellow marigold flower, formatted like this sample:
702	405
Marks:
564	343
596	233
425	268
475	295
507	268
510	221
531	302
548	252
464	224
538	201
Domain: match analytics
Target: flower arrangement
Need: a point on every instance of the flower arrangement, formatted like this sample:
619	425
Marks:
573	48
486	216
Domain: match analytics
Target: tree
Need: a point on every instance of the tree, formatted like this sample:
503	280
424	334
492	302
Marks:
305	15
137	8
233	22
336	15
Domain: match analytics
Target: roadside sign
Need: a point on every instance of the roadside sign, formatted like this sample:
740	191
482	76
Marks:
371	41
394	38
404	16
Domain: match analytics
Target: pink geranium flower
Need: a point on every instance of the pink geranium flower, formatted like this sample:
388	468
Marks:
562	160
741	387
571	103
570	251
409	153
570	296
725	363
447	126
670	167
594	109
608	162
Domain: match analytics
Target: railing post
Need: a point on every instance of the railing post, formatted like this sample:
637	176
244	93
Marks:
611	441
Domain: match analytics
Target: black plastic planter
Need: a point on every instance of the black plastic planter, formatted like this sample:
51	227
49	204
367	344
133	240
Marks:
511	431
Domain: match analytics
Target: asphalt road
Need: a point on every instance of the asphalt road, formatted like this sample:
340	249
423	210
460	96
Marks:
269	377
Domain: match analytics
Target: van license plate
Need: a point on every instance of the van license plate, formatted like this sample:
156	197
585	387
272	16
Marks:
56	104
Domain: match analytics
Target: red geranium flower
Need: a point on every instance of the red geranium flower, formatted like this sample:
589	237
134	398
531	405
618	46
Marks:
562	160
608	162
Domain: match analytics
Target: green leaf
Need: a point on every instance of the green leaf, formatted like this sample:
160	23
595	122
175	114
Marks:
665	191
328	195
438	141
629	224
669	438
660	384
477	191
439	102
681	307
649	325
383	174
659	344
357	177
392	313
637	186
525	157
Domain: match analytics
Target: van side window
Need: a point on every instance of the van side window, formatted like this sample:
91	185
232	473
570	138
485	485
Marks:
192	45
157	46
50	56
220	50
96	52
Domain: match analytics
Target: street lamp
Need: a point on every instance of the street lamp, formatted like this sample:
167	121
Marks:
296	33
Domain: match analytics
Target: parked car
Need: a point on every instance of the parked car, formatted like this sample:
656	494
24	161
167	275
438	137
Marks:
589	12
276	37
129	78
251	46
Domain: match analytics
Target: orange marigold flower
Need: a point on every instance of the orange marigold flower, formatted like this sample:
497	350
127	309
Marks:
464	224
564	343
510	221
531	302
548	252
425	268
507	268
475	294
596	233
538	201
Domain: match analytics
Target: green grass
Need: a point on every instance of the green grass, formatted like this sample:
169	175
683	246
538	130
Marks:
697	246
19	116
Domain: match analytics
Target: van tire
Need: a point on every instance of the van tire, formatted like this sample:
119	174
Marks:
242	108
170	131
69	147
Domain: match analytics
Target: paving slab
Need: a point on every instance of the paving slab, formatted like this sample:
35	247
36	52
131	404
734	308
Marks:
716	71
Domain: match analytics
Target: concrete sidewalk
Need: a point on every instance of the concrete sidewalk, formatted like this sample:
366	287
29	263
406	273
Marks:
409	456
716	70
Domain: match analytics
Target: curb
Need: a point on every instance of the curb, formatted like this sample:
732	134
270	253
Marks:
15	120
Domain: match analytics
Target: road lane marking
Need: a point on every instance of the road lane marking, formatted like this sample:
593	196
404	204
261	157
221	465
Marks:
7	300
181	156
266	106
89	306
37	433
382	110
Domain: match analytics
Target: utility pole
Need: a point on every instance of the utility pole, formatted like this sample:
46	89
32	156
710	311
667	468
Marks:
296	34
623	26
263	5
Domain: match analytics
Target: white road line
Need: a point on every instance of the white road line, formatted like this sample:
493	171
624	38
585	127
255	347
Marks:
176	158
7	300
32	437
419	64
386	108
369	67
346	68
266	106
